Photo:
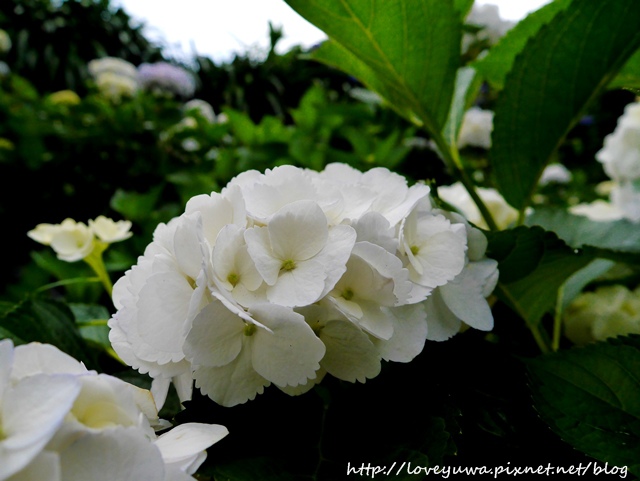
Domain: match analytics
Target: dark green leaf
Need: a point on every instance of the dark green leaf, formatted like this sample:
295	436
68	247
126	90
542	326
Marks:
561	69
47	322
590	397
578	231
629	76
133	205
408	51
533	265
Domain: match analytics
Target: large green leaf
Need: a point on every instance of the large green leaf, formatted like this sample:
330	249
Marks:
406	50
466	89
629	76
560	70
590	397
533	265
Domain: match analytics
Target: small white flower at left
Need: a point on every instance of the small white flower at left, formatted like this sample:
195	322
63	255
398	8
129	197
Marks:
71	240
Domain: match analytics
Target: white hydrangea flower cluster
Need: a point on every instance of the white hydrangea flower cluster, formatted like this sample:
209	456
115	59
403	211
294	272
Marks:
114	77
61	421
73	241
620	158
292	274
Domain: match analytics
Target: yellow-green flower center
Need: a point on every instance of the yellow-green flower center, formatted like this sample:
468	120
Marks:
288	265
249	329
233	279
415	250
347	293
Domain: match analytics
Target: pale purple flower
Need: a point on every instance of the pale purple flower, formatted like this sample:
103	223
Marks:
165	77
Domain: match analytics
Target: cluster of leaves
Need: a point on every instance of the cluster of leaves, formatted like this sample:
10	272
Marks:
555	83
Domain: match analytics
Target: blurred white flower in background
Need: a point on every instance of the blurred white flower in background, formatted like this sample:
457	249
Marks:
62	422
620	154
476	128
114	77
608	311
487	18
5	41
457	196
555	174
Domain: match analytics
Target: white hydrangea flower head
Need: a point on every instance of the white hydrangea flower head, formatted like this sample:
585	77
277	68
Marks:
620	154
456	195
76	424
608	311
287	276
476	128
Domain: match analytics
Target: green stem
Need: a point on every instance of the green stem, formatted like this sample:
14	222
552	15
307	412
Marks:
66	282
540	338
94	259
452	161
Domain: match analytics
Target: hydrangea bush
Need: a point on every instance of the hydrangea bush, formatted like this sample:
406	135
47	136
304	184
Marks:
367	309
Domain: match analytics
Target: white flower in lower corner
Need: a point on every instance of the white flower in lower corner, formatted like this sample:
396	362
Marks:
61	422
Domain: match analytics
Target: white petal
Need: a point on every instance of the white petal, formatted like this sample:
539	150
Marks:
442	323
45	465
291	353
232	384
215	338
465	295
163	308
118	454
6	362
31	413
350	353
259	247
298	231
300	286
37	358
183	443
409	334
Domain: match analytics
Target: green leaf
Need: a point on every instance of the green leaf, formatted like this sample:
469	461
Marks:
629	75
91	320
467	84
561	69
135	206
407	51
47	322
533	265
590	397
495	66
579	231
